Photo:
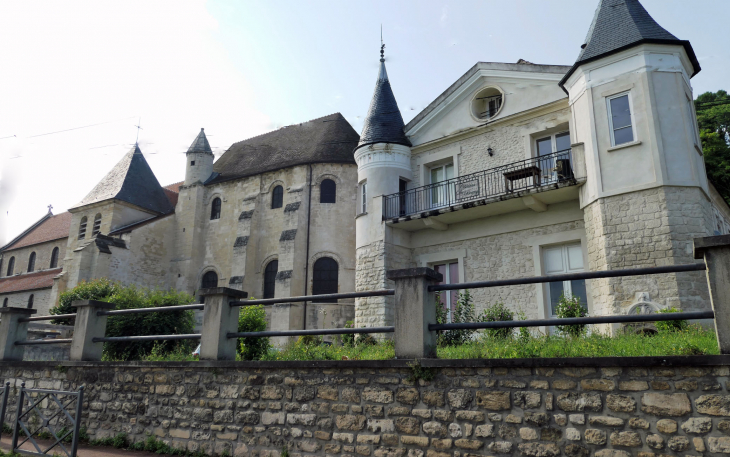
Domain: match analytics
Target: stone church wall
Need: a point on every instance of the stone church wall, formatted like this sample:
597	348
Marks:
41	300
610	407
43	253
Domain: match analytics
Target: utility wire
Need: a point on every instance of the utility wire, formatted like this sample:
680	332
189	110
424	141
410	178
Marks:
82	127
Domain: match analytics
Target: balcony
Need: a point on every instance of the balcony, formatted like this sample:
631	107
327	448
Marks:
525	178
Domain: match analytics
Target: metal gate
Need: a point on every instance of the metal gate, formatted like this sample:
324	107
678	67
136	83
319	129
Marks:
30	414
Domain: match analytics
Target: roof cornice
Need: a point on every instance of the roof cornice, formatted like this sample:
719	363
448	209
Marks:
26	232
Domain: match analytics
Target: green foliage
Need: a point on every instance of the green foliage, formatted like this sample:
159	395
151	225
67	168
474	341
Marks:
348	340
284	451
463	312
299	351
713	117
164	323
252	319
495	313
419	372
671	326
180	353
119	441
523	333
570	306
98	289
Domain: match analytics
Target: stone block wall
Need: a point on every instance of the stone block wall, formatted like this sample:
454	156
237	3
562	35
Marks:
552	407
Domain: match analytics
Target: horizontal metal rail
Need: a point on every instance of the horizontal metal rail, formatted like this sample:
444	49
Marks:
576	321
160	309
326	331
125	339
44	341
572	277
273	301
47	318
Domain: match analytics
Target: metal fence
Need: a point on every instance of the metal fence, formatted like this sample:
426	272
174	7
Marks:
503	180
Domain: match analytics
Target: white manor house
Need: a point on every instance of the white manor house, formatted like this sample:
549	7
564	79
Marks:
515	170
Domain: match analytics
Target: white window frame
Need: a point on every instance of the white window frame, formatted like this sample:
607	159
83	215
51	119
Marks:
364	197
553	141
693	121
567	287
631	115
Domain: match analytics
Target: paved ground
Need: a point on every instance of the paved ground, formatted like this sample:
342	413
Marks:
84	449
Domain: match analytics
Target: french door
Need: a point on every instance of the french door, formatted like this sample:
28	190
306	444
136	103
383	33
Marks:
559	142
561	260
443	193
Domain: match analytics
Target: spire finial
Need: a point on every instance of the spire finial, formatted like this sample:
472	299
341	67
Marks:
382	46
50	209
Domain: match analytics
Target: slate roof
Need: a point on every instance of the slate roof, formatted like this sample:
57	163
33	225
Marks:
200	144
132	181
383	123
30	281
50	227
621	24
328	139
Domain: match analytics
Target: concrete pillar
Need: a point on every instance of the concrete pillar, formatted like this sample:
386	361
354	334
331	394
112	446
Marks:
715	250
87	327
219	318
11	330
415	308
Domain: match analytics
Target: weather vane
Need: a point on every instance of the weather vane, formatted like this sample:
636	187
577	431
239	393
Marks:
382	45
139	122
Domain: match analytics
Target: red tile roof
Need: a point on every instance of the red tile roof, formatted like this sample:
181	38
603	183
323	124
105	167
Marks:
53	228
38	280
174	187
172	191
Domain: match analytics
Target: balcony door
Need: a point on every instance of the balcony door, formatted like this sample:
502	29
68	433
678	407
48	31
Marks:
562	260
553	166
442	193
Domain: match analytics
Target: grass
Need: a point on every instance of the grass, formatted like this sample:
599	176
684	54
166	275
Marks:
312	351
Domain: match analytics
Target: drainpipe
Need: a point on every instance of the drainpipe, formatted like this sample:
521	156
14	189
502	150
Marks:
306	260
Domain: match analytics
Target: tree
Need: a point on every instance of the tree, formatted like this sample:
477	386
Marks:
713	117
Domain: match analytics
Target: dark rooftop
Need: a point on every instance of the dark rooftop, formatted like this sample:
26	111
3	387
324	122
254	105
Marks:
329	139
200	144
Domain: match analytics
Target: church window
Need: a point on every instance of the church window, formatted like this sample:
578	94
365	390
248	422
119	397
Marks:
215	209
210	280
5	302
31	262
97	225
270	278
82	228
620	119
54	258
277	197
30	301
325	279
327	191
11	266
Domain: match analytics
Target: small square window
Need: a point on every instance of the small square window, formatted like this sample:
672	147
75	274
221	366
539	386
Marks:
192	163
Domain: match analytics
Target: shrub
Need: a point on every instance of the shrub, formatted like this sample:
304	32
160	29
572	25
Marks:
252	319
495	313
348	340
570	306
463	312
671	326
97	289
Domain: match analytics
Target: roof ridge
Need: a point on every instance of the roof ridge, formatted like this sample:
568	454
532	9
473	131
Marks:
285	126
27	231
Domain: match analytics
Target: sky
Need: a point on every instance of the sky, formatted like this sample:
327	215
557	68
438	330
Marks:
79	77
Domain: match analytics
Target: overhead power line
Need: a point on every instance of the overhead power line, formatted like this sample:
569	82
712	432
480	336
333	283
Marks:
82	127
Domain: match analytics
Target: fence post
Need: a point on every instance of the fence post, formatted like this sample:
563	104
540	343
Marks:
715	250
415	308
11	330
219	318
87	327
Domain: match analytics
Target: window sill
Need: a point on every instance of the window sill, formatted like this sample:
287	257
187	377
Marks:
622	146
698	149
361	214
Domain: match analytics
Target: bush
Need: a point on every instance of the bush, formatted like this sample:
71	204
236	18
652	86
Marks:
348	339
252	319
496	313
97	289
671	326
570	306
463	312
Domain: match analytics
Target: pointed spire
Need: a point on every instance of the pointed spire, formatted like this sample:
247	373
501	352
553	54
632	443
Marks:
200	144
619	25
383	123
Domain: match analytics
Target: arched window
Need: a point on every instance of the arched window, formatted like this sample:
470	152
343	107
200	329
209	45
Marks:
82	228
11	266
325	278
54	258
30	301
270	278
210	280
5	302
31	262
215	209
97	225
277	197
327	191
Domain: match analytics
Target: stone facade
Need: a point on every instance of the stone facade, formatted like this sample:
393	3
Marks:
43	253
551	408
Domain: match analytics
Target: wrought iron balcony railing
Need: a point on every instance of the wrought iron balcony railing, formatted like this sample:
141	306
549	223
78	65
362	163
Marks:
503	180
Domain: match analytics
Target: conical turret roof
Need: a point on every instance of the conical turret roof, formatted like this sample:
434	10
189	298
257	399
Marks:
383	123
619	25
132	181
200	144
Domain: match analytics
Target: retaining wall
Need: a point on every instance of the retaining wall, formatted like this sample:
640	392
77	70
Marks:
611	407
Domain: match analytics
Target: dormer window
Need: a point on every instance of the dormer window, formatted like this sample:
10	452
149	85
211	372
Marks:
487	103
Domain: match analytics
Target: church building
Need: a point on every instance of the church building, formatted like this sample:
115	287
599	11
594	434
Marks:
515	170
